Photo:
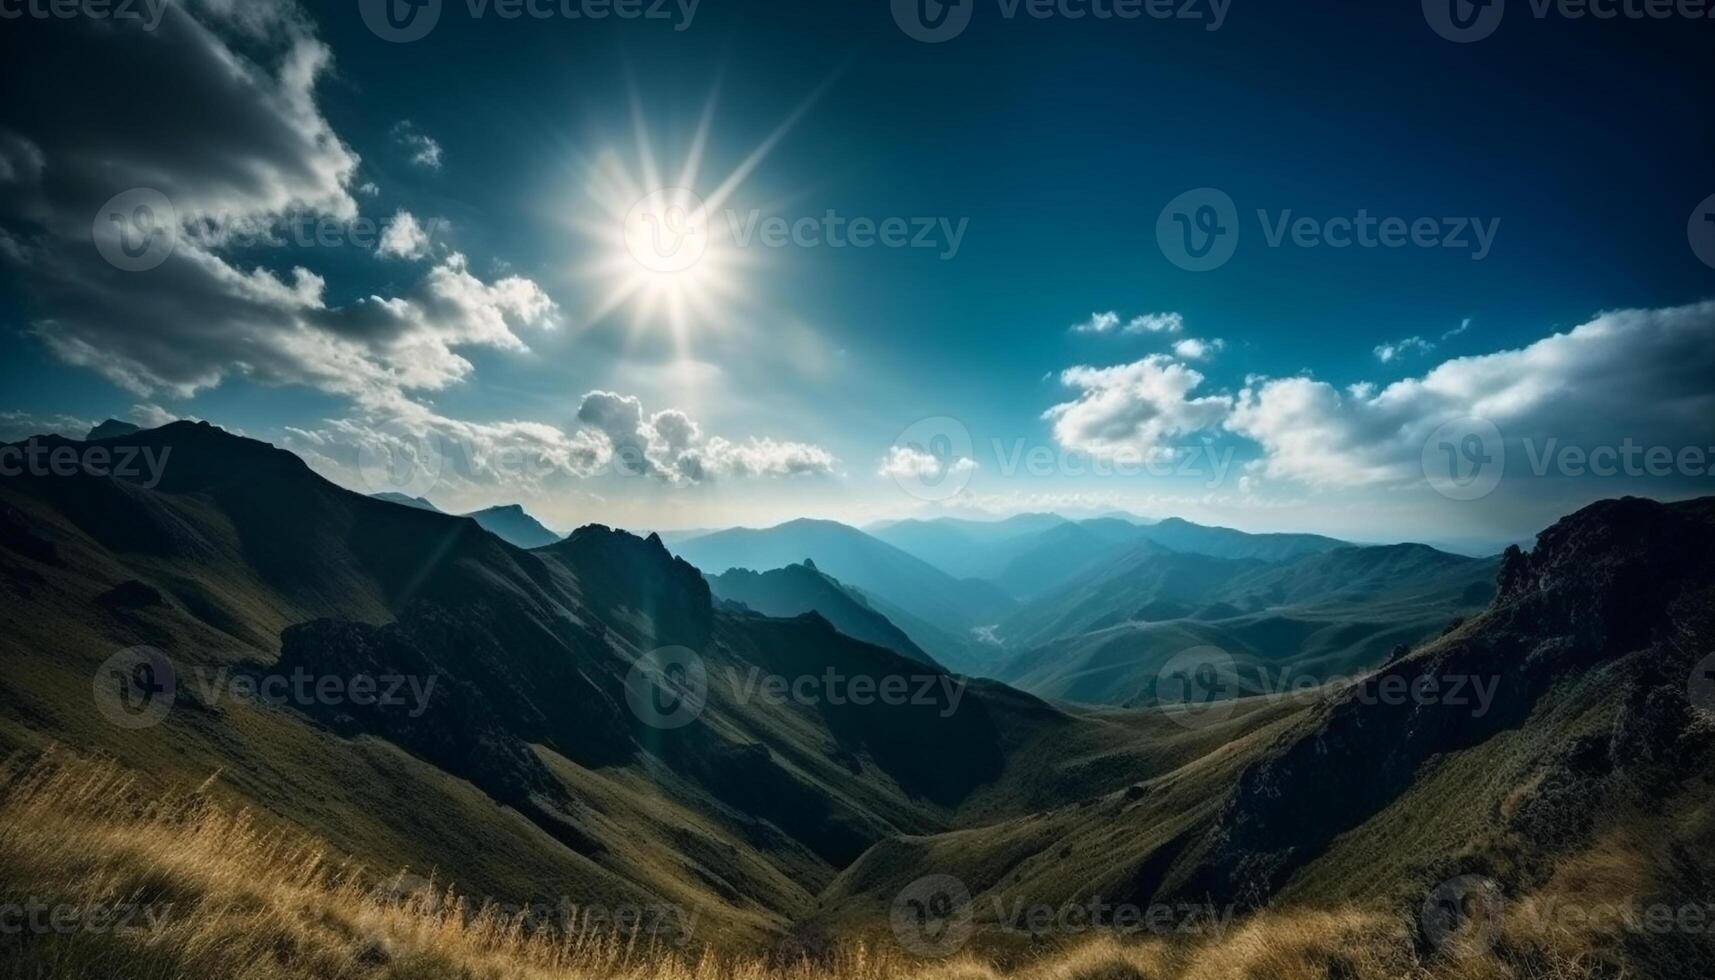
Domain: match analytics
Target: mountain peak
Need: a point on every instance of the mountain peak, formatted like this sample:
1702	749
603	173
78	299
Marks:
1612	566
111	429
405	500
514	525
626	570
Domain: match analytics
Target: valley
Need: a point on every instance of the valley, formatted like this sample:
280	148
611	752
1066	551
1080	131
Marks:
528	774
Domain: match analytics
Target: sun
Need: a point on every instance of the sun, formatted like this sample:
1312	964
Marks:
664	249
664	253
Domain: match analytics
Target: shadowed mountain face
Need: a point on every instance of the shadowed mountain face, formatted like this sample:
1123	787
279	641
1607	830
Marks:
512	525
799	589
1589	649
529	769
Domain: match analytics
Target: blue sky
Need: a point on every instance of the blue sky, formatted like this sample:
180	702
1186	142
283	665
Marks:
1032	156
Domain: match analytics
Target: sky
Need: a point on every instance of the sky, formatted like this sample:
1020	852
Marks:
1356	270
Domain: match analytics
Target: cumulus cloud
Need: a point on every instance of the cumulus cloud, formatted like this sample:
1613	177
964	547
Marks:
765	457
422	149
1134	410
1195	349
914	465
1101	323
670	446
416	451
247	146
403	237
1579	388
412	449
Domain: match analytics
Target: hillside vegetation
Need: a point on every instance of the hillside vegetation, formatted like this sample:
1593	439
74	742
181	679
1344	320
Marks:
186	884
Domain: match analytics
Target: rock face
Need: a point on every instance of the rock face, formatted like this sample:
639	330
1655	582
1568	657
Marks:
662	597
1624	587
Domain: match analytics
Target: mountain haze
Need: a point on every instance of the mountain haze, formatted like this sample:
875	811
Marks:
951	605
799	589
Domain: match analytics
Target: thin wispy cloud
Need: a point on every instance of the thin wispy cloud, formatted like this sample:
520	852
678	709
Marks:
421	149
1111	322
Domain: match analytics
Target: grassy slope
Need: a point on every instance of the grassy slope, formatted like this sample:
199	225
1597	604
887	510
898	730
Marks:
224	894
1332	800
745	815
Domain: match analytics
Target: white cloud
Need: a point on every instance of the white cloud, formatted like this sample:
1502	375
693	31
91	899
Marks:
1098	323
18	426
1156	323
403	237
1387	353
1134	410
764	457
152	416
910	464
1101	323
415	450
1641	375
203	314
1194	349
424	150
670	446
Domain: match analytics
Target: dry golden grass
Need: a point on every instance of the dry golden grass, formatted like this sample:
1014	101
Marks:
238	899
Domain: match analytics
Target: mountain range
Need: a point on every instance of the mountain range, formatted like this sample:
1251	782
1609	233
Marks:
1548	742
508	522
1089	610
800	590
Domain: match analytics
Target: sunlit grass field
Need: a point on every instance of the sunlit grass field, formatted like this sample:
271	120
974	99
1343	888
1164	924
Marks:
212	890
